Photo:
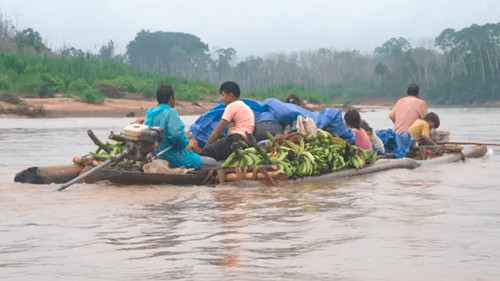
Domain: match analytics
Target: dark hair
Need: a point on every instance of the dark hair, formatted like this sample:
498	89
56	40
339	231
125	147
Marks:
293	98
413	89
352	118
164	93
364	125
230	88
434	118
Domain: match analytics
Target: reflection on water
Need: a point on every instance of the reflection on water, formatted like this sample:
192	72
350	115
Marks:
432	223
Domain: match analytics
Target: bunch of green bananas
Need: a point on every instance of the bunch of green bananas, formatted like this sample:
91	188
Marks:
328	157
281	157
361	157
243	157
321	155
109	150
356	161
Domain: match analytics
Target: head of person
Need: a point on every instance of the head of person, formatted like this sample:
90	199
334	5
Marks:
165	95
364	125
433	119
293	98
413	90
352	119
229	92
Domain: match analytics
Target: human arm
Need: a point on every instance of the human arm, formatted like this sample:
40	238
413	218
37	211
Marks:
218	131
423	109
427	140
139	120
426	134
175	128
392	115
377	144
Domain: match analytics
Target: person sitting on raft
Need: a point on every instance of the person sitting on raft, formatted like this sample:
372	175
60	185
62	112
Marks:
166	117
237	115
377	143
293	98
353	120
420	130
408	109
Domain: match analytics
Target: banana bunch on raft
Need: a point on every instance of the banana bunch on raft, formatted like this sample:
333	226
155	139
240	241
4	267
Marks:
101	154
305	156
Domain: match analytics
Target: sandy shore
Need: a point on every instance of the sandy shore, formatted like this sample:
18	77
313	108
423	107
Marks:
62	107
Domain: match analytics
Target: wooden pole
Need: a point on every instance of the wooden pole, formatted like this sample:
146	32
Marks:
118	158
470	142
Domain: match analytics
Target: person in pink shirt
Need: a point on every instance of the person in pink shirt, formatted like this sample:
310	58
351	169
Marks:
237	115
353	120
408	109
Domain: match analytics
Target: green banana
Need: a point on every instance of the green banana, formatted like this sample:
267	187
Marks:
229	160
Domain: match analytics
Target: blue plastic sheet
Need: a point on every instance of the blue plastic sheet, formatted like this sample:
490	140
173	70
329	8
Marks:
206	123
397	144
332	118
274	110
286	113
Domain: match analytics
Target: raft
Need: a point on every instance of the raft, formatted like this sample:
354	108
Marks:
65	173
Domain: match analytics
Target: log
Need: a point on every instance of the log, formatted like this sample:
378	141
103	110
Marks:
470	142
275	175
402	163
48	174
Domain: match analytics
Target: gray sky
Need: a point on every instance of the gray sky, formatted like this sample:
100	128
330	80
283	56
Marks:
252	27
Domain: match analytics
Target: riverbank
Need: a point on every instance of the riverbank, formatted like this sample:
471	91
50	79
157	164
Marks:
63	107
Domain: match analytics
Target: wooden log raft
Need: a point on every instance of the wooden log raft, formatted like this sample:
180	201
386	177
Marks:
48	174
62	174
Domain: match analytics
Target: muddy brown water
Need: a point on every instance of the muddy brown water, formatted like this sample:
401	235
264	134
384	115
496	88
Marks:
432	223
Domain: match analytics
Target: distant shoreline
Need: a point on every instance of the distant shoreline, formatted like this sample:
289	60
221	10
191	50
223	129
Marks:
64	107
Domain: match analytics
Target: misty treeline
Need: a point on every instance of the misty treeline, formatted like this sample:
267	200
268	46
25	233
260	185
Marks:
458	67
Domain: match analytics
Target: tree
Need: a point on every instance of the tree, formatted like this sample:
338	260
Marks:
29	38
107	51
224	57
381	70
473	61
171	52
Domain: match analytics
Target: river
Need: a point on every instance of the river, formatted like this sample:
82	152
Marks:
432	223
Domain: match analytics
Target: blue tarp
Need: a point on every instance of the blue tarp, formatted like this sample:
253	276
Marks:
397	144
274	110
332	118
206	123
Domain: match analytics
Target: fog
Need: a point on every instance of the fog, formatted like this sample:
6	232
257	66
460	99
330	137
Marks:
251	27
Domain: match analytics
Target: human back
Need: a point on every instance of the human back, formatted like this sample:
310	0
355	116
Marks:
408	109
240	117
166	117
352	119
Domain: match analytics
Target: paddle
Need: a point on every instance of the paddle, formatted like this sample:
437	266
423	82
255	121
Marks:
116	158
470	142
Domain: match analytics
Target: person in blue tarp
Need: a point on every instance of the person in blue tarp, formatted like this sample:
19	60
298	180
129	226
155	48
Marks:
166	117
331	120
397	144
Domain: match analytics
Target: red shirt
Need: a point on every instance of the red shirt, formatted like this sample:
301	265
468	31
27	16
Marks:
362	139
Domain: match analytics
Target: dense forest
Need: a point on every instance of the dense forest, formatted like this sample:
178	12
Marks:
458	67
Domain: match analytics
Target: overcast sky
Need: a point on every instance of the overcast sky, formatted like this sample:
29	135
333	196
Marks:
252	27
